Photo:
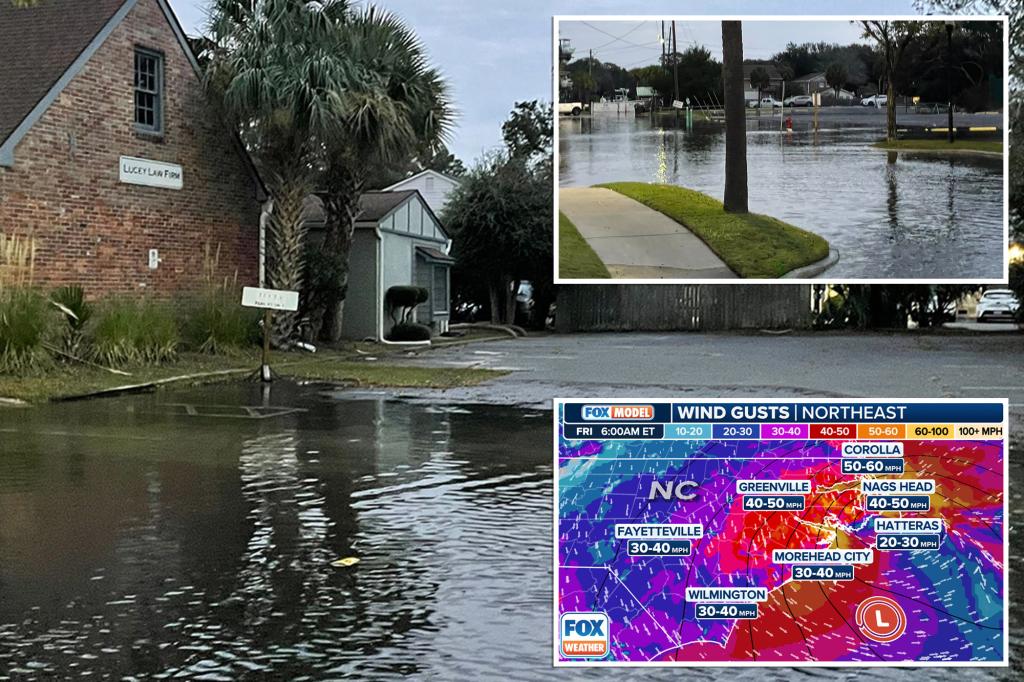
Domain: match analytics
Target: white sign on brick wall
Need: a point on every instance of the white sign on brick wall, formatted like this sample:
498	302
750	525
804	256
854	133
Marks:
151	173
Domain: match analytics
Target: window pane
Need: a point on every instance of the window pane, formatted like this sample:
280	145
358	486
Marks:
147	90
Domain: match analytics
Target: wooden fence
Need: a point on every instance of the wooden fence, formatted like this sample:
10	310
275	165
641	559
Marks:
682	307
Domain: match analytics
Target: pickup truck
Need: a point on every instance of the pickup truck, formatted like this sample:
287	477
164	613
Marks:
769	102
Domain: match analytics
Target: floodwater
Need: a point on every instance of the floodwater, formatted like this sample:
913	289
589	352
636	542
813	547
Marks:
190	534
918	216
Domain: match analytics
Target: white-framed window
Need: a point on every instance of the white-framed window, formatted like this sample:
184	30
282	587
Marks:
149	90
439	296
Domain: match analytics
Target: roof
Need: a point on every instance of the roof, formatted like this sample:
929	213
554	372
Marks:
374	206
810	77
37	45
44	46
434	255
773	71
428	171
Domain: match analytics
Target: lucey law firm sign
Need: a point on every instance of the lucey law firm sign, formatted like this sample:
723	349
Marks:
151	173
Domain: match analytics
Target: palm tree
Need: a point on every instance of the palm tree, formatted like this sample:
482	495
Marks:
272	65
735	199
395	107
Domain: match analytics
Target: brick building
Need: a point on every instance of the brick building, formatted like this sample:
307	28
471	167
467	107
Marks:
111	156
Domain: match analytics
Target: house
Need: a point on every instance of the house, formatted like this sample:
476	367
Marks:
111	157
807	84
774	88
434	187
398	241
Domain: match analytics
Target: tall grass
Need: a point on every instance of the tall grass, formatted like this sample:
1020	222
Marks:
132	331
26	319
214	320
26	323
17	260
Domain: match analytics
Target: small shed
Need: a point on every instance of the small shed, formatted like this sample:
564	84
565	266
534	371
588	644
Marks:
398	240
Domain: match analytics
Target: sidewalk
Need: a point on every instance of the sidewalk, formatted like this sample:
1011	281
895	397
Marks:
635	241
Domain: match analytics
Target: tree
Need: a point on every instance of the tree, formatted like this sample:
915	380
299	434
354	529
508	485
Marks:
395	107
500	216
760	80
735	199
271	67
892	38
836	75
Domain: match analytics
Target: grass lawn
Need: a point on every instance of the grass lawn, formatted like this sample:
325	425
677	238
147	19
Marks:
943	145
576	260
66	381
754	246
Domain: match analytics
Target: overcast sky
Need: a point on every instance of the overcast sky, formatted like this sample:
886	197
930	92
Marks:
495	53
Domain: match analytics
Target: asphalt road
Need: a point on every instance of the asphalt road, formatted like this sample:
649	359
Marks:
729	365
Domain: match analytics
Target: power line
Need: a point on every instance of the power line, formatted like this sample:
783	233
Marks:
615	38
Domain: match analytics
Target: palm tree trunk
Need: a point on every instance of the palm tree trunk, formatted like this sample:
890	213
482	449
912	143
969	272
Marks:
286	233
735	118
342	211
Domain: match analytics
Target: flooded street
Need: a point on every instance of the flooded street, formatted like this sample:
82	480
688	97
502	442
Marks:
915	216
191	533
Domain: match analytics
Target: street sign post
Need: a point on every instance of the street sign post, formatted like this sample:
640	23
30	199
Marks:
268	300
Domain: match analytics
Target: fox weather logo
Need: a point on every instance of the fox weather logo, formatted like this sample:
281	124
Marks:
583	634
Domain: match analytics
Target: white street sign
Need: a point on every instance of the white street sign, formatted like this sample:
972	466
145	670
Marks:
274	299
677	104
150	173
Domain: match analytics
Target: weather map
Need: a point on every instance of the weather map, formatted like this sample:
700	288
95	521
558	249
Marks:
780	532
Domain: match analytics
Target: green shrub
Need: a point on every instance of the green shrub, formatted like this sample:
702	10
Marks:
409	331
403	299
215	322
77	312
134	331
26	323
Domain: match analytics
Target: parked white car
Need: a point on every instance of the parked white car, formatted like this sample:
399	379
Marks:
997	304
875	101
570	108
799	101
765	102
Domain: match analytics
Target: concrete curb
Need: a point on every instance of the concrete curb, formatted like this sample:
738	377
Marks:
816	268
148	385
940	152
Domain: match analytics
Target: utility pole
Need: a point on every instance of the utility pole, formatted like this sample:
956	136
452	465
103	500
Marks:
590	73
949	79
675	62
663	46
675	72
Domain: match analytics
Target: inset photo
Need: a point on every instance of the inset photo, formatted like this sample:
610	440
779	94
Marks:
854	149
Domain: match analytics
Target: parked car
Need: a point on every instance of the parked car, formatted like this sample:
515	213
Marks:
799	101
570	108
875	101
765	102
997	304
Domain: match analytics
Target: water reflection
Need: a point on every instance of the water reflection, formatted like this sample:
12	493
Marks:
147	540
949	222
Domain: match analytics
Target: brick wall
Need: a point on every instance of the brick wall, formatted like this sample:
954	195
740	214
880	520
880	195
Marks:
93	230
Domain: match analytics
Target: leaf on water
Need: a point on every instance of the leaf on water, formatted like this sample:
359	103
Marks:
345	562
